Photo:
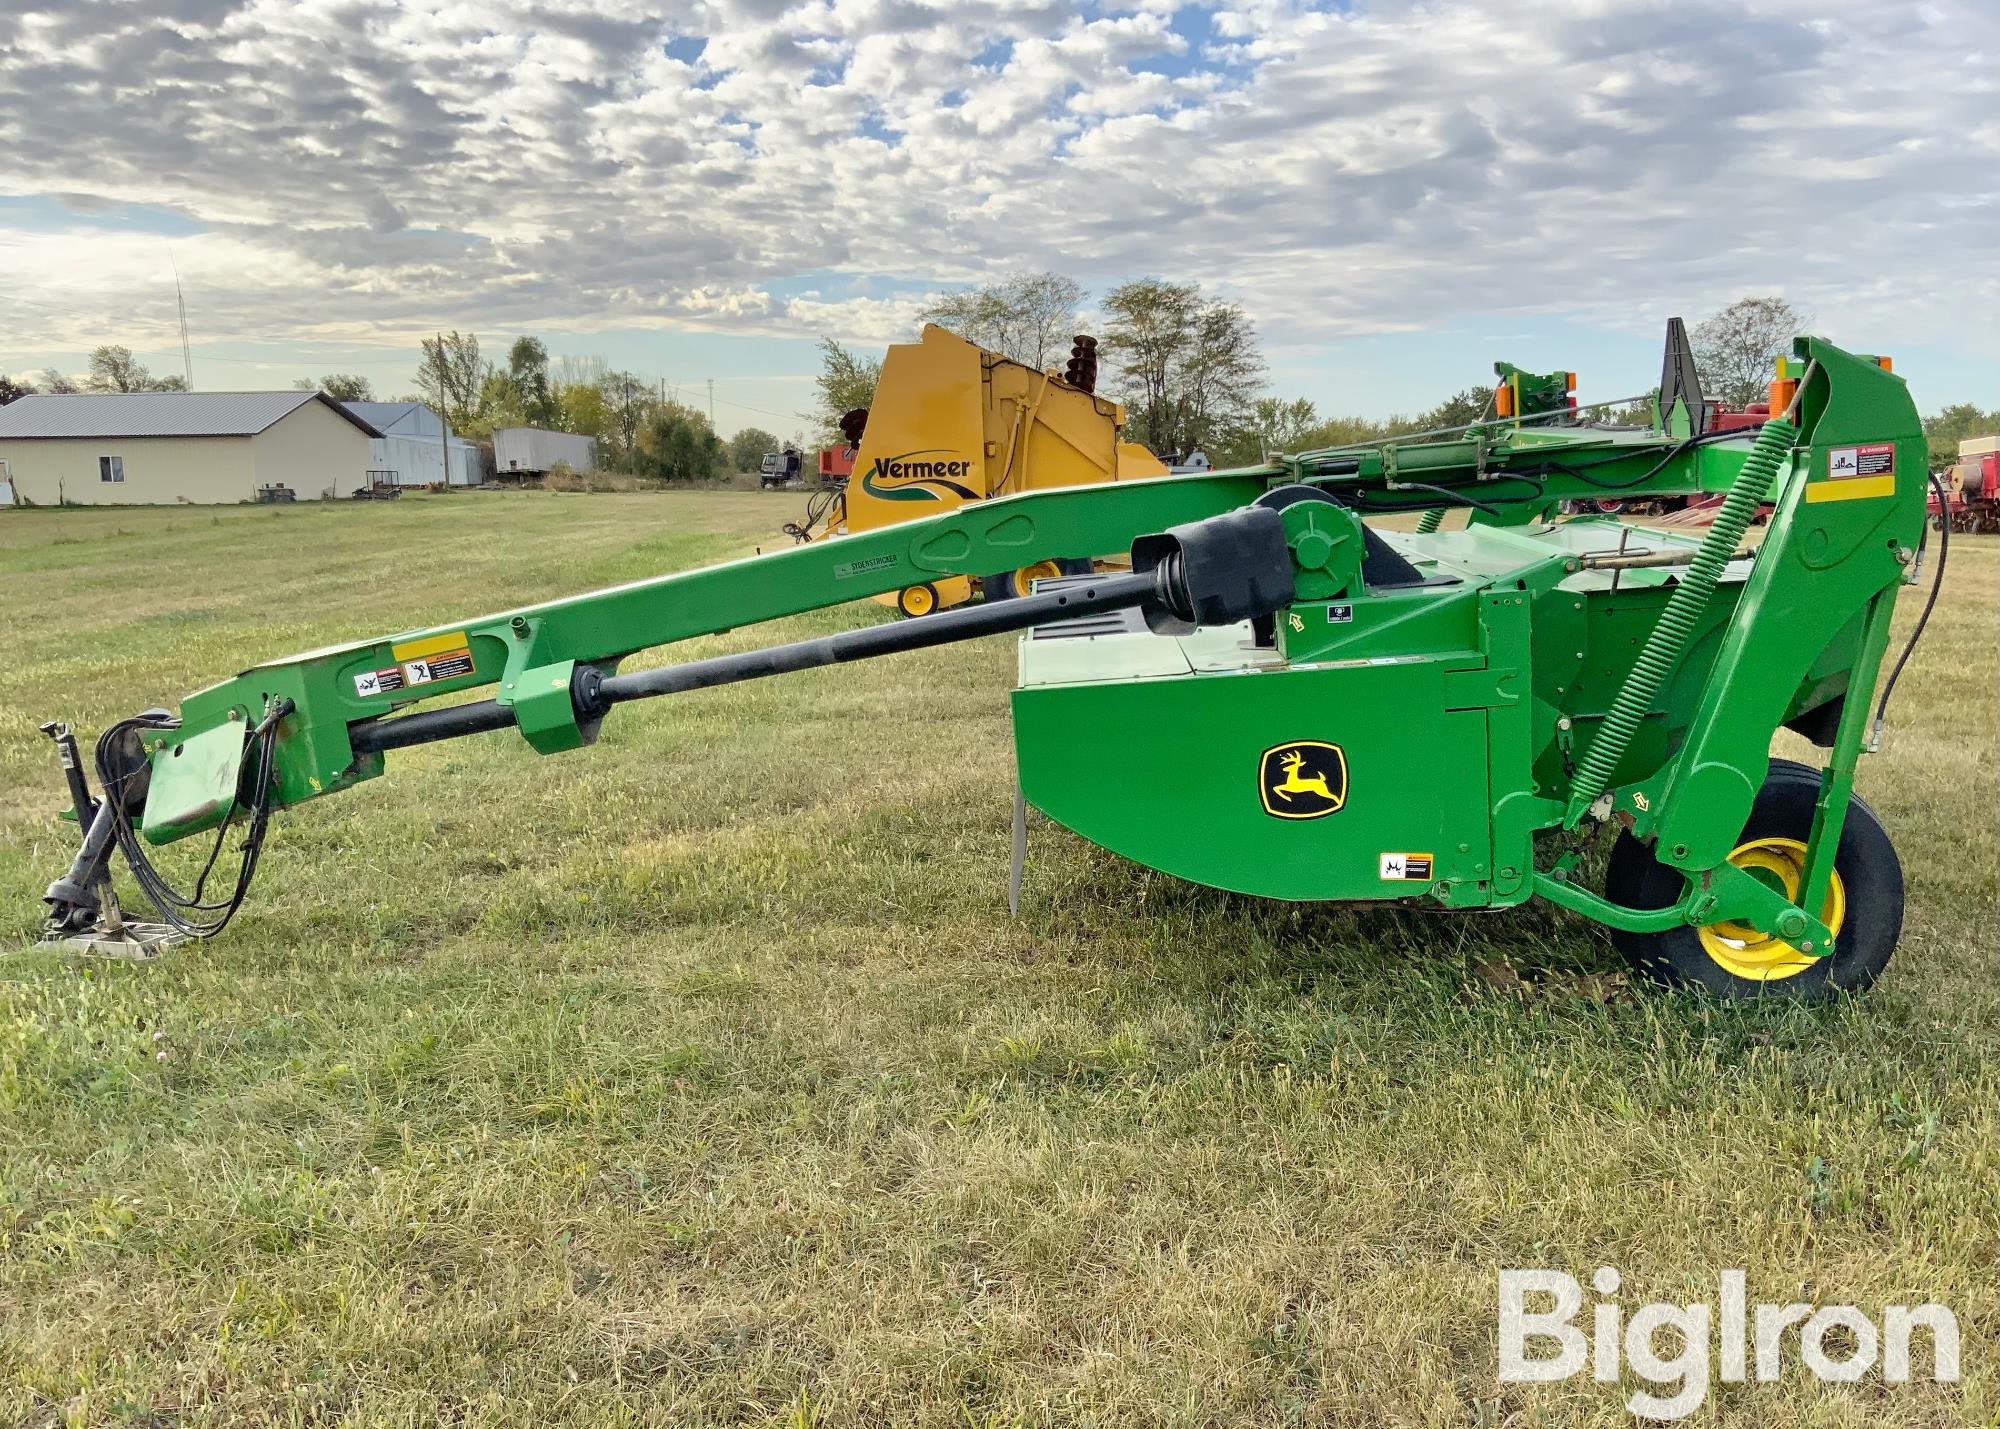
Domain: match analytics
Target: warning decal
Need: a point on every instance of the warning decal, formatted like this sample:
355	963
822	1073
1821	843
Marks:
1854	473
434	657
378	682
1874	459
1408	867
447	665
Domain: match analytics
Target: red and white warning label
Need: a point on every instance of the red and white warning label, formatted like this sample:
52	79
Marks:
378	682
1872	459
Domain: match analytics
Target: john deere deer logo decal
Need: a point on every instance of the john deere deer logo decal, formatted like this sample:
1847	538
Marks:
1306	779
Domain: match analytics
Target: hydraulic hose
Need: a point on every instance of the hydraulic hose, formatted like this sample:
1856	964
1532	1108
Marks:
1677	622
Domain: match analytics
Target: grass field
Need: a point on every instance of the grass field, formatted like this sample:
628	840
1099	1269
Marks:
702	1078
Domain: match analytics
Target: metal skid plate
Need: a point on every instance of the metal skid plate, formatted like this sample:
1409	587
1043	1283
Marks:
129	942
194	782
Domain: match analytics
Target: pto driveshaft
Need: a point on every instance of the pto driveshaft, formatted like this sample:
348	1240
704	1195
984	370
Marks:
593	692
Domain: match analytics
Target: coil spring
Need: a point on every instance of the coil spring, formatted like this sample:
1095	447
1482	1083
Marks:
1677	622
1430	521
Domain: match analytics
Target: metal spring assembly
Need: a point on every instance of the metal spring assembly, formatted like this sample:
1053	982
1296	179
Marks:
1676	626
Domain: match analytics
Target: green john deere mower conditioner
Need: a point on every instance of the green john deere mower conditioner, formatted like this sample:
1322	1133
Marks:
1279	698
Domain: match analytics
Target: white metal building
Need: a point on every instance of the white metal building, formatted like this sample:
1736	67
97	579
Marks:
531	451
409	452
159	448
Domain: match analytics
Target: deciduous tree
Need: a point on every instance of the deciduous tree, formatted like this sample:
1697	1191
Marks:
341	386
452	378
1737	349
1461	409
1190	366
528	373
113	368
1274	424
627	399
1944	430
747	448
677	444
845	381
1030	318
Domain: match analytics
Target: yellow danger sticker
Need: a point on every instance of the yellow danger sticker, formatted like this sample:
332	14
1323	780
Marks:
435	657
429	645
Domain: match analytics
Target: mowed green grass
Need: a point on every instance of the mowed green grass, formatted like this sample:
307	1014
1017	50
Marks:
702	1078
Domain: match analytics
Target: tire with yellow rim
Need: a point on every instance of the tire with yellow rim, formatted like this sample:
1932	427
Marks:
1863	904
917	600
1012	585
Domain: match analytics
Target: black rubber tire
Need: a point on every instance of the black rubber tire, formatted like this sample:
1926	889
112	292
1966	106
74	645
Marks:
1870	873
1000	585
902	601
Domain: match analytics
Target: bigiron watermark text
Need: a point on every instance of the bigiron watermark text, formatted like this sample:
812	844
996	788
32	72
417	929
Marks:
1739	1342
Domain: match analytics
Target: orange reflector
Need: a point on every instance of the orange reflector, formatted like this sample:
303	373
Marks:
1571	379
1781	396
1885	364
1503	399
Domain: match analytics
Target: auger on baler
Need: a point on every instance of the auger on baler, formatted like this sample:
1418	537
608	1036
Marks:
1280	700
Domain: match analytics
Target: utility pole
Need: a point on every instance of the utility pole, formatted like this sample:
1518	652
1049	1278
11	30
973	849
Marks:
444	422
711	403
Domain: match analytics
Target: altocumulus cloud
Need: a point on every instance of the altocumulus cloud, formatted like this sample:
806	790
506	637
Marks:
336	167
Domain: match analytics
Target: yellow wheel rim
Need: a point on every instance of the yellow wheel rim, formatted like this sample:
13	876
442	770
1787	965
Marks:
1025	578
1755	955
919	600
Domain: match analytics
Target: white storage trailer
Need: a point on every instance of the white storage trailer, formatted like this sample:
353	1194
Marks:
412	448
531	451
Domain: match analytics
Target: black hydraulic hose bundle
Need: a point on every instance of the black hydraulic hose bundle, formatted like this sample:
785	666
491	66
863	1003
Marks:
185	912
818	508
1930	602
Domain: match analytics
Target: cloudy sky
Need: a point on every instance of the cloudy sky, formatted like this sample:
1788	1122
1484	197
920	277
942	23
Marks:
1396	193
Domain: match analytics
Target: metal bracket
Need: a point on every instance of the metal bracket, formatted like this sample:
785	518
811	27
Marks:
112	937
544	709
1727	894
1017	863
